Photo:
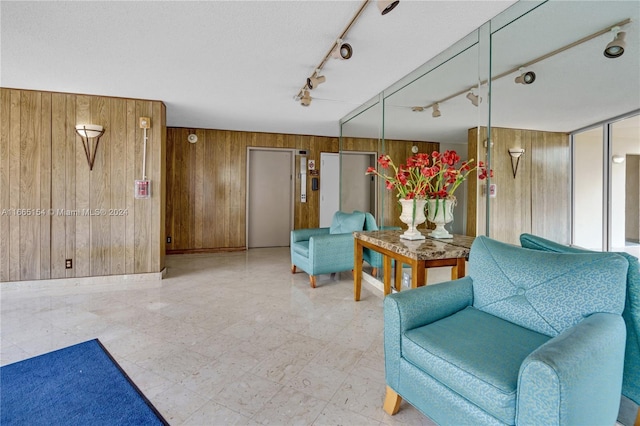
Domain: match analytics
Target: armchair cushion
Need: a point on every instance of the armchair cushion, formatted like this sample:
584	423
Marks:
346	223
477	354
301	247
543	291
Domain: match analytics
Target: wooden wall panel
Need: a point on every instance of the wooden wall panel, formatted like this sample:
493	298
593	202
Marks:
550	186
537	200
90	217
206	183
5	187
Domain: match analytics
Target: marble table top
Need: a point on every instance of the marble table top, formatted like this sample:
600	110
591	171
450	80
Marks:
427	249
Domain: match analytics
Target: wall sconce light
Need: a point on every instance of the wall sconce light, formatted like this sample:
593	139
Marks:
475	99
88	132
515	154
618	159
615	48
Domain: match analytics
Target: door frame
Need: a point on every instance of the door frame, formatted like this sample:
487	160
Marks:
374	154
292	170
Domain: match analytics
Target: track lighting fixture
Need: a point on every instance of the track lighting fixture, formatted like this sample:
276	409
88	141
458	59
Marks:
436	110
525	77
475	99
342	50
306	99
315	80
615	48
417	109
387	6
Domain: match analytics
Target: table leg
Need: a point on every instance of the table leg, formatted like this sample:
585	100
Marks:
398	279
418	273
357	269
386	266
458	271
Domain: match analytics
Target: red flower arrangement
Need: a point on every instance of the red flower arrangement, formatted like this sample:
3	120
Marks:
427	176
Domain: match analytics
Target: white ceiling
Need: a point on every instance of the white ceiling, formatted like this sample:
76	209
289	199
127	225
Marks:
227	64
573	89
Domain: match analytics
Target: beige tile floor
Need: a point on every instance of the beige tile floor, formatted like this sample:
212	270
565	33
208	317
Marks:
227	338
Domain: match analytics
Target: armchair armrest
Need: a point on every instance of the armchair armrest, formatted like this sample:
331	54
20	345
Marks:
576	377
421	306
331	252
306	234
415	308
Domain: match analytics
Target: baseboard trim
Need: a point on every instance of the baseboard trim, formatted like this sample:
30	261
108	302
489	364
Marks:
206	250
61	286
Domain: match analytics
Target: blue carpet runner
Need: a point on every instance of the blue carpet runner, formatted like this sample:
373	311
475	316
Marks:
78	385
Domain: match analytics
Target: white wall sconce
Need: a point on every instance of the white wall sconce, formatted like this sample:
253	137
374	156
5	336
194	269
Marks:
515	154
89	133
618	159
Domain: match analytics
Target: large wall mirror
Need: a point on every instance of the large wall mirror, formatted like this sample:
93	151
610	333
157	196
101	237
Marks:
541	74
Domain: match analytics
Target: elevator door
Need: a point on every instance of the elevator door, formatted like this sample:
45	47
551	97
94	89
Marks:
270	201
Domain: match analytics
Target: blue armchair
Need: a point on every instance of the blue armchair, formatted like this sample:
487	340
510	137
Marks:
326	250
373	257
527	338
631	313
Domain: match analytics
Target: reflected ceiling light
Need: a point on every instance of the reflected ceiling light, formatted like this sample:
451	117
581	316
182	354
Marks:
315	80
526	77
618	159
306	99
436	110
615	48
387	6
475	99
342	50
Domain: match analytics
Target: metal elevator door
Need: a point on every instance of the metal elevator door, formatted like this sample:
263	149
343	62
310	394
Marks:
270	198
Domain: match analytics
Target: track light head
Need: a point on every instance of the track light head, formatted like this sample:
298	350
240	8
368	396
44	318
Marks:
387	6
525	77
342	50
436	110
475	99
306	99
615	48
314	81
417	109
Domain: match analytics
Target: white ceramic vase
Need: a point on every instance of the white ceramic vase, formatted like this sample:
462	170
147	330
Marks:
440	212
412	215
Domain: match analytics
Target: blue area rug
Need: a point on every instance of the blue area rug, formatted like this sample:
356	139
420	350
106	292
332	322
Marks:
78	385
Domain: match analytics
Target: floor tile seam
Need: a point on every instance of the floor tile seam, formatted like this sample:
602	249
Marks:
360	414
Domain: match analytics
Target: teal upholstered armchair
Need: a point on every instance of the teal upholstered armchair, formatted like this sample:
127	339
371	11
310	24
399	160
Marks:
373	257
528	338
326	250
631	313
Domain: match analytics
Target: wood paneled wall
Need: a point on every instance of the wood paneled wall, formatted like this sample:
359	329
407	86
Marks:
206	183
537	200
53	208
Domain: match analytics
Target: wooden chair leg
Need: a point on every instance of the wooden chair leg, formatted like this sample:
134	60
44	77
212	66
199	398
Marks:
312	281
293	269
391	402
374	272
637	423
